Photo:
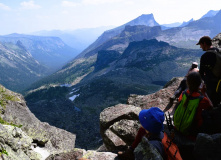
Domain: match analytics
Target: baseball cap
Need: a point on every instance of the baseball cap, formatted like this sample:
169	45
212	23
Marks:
206	39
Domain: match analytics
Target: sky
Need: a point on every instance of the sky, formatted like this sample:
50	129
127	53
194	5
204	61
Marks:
26	16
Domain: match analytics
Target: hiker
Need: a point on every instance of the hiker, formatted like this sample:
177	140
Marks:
188	118
188	114
182	86
152	127
207	63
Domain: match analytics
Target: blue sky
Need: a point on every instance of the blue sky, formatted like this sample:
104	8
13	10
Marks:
25	16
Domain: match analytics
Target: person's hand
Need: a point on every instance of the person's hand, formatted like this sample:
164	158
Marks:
128	154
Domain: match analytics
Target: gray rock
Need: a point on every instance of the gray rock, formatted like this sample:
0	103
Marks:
119	126
18	141
216	41
126	130
121	111
146	151
112	141
208	147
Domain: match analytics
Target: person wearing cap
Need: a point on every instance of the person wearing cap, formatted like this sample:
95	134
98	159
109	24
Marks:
152	126
207	62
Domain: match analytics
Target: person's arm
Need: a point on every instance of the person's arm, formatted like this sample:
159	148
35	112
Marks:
204	104
139	136
202	68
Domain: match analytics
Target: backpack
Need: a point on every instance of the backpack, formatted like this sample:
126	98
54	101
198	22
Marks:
217	68
184	116
171	150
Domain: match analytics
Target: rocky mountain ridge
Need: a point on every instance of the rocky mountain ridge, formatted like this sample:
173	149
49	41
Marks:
146	20
18	67
51	52
78	39
184	36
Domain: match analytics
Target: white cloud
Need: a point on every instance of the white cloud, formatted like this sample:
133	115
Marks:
68	4
30	5
4	7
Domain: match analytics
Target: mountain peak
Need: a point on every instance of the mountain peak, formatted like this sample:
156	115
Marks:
210	13
144	19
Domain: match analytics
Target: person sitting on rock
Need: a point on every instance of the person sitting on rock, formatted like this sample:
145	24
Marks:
182	86
152	126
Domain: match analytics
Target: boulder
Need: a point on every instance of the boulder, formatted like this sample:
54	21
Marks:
14	112
208	147
146	151
119	125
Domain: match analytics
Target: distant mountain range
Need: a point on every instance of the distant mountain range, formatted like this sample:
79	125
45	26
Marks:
185	36
78	39
51	52
18	67
26	59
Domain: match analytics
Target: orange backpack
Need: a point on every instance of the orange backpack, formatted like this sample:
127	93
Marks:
170	148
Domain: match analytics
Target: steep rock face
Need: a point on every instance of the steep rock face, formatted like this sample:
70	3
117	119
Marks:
104	58
146	20
121	41
14	111
18	67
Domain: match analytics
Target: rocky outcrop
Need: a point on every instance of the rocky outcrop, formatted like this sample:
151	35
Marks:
22	132
217	41
158	99
118	122
119	125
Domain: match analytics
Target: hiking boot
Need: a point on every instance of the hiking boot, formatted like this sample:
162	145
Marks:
128	154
